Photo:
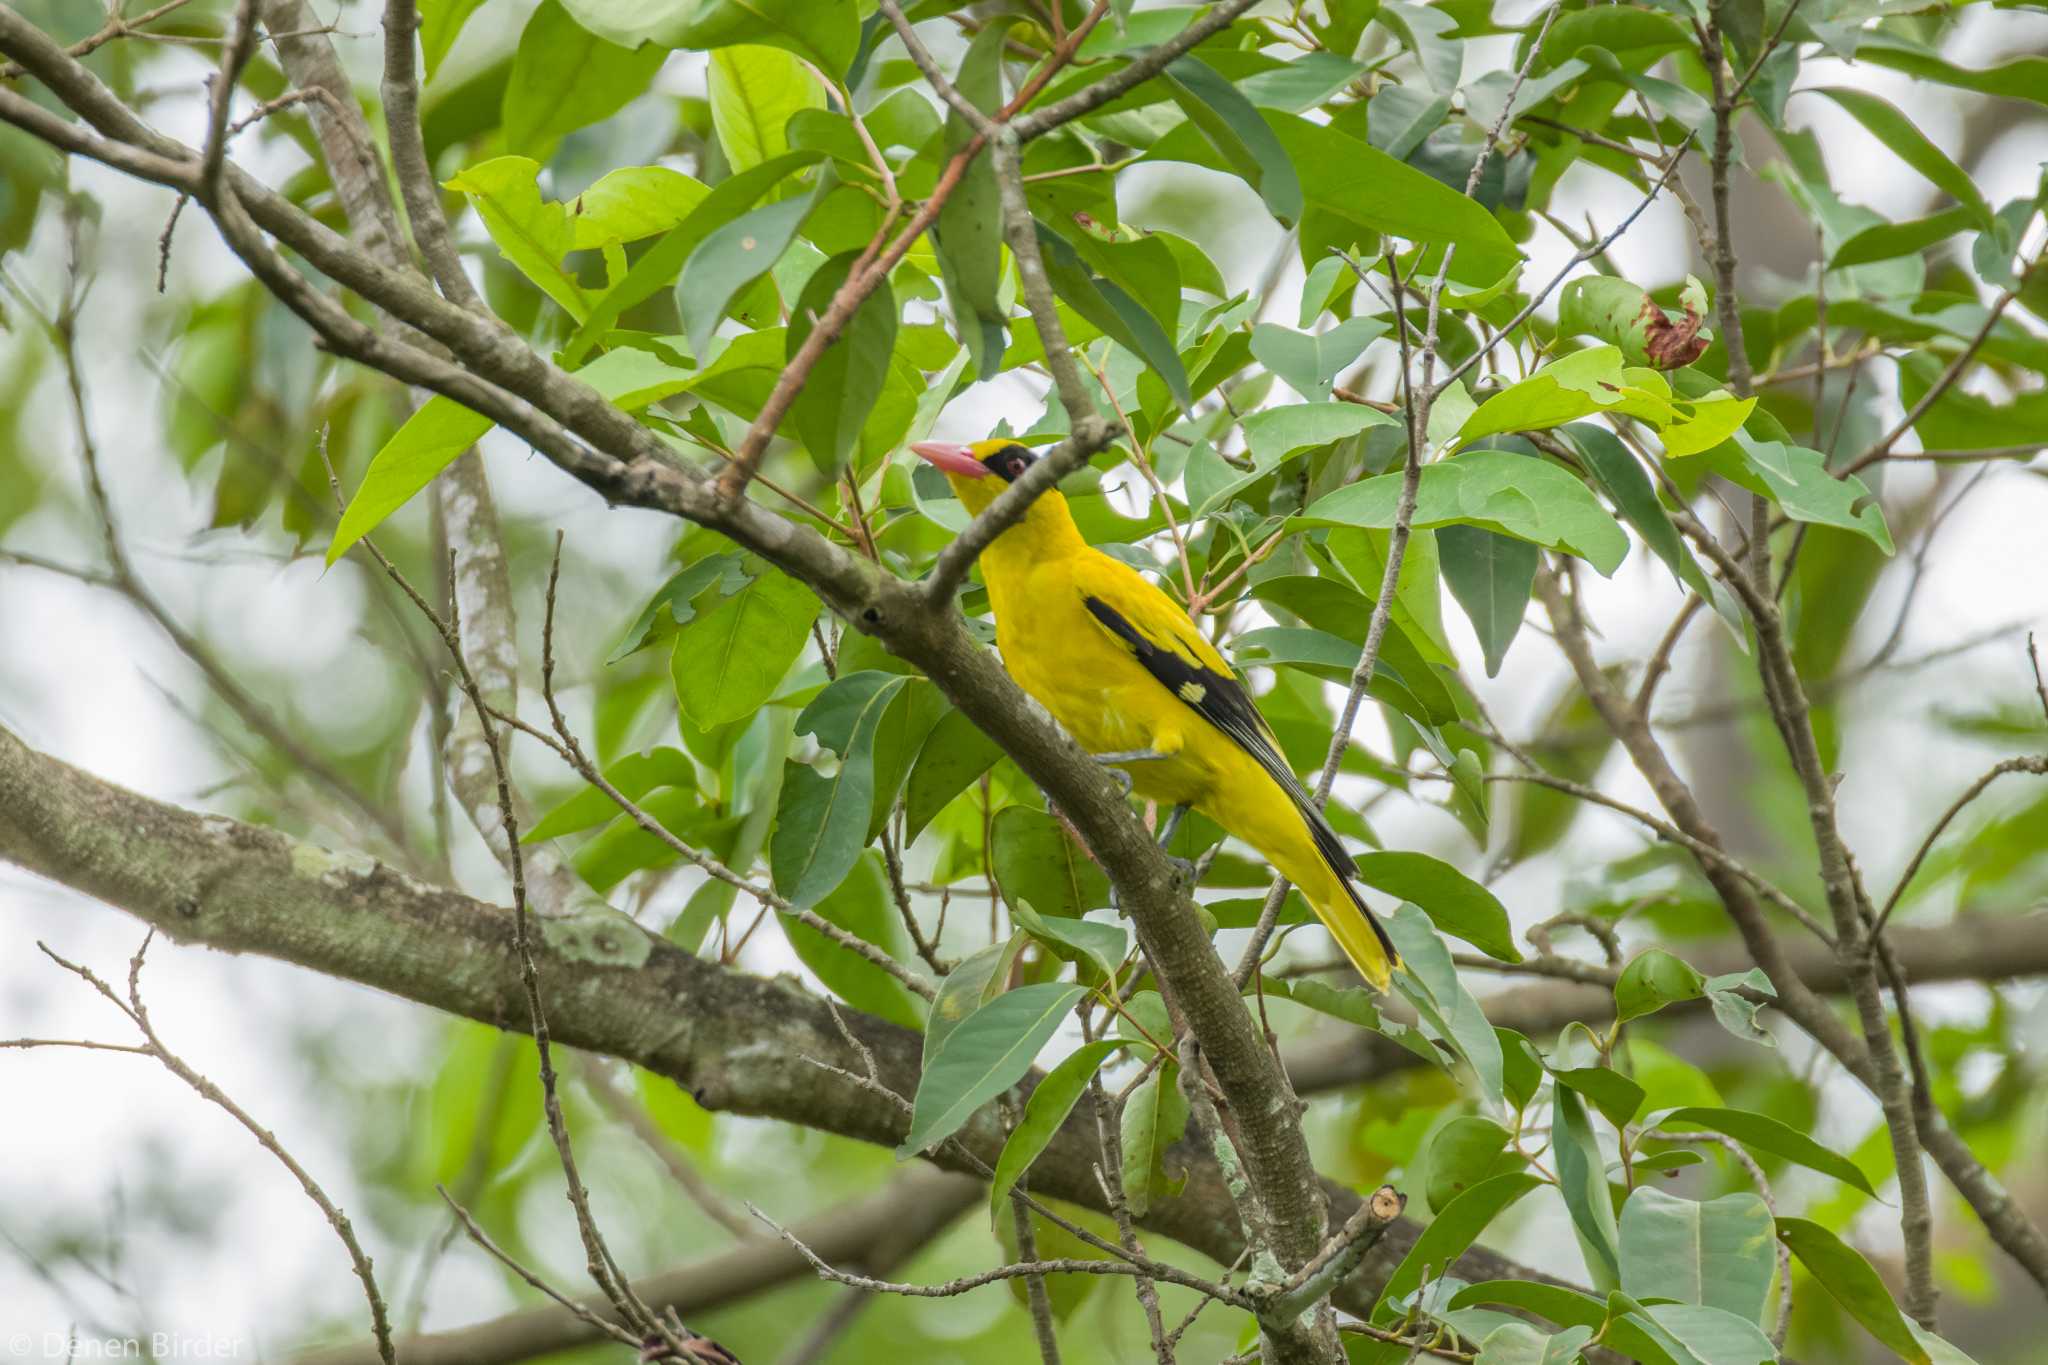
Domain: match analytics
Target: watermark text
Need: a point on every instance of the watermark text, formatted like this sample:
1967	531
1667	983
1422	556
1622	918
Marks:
79	1346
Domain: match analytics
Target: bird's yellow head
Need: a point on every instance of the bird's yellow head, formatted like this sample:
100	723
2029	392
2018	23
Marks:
980	471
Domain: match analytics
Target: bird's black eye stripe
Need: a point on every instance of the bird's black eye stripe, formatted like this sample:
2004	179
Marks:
1009	462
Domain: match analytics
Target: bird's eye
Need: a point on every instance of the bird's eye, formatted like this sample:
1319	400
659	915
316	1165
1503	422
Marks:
1018	464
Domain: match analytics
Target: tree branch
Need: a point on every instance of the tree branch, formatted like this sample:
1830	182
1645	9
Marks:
1975	948
409	157
738	1043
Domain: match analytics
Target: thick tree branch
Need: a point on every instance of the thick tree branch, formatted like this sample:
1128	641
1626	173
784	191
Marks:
740	1044
1976	948
916	1206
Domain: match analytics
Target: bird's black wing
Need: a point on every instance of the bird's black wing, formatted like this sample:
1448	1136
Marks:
1221	700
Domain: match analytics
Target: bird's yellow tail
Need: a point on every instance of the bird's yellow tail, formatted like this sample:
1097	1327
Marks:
1357	931
1295	838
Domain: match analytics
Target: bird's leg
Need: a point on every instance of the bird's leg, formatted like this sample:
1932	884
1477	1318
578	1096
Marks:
1166	831
1111	761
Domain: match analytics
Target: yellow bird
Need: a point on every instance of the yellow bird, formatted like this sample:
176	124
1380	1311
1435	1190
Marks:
1124	669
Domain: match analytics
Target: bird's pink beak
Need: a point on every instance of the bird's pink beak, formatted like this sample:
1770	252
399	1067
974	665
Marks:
952	457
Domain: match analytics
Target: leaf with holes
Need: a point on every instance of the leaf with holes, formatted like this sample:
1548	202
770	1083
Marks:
732	656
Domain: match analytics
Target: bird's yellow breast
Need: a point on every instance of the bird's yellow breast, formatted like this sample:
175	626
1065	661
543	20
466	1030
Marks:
1101	694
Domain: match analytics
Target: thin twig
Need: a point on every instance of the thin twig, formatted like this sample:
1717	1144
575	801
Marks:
422	197
599	1262
240	47
2031	763
153	1046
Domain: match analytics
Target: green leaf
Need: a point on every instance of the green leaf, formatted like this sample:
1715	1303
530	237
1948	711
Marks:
900	738
1613	1094
828	34
754	92
1309	362
1155	1115
1352	1004
671	606
1430	982
861	905
1240	136
1466	1151
1623	480
1652	980
2023	78
1766	1134
565	77
1690	1333
1491	576
441	23
1844	1273
630	203
1802	486
623	847
1885	241
1582	1176
987	1053
1418	596
1331	605
1052	1099
1455	903
1496	490
1959	420
1120	317
1431	35
1275	436
1892	128
1037	862
734	256
1451	1233
634	776
1517	1343
1399	117
823	822
1578	385
1358	184
532	234
1101	946
974	981
660	263
427	443
847	380
730	659
1300	83
1736	1012
1716	1253
1629	1333
968	234
954	755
